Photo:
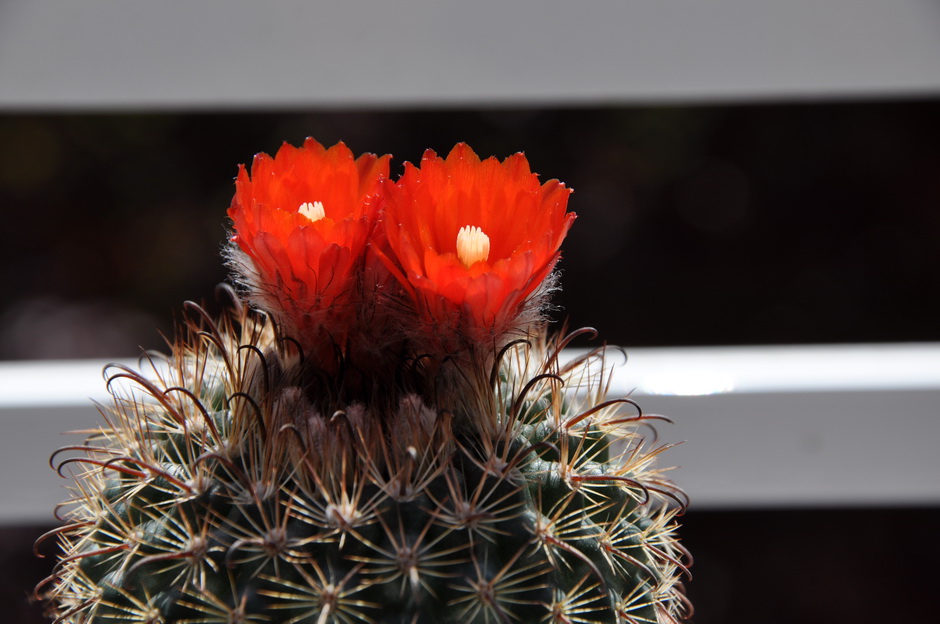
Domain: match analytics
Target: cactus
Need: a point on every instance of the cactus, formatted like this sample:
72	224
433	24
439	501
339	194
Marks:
382	446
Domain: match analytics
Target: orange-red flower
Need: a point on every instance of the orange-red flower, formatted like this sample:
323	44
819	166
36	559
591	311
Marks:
303	218
474	239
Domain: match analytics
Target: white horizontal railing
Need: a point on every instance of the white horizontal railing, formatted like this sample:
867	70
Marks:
212	54
822	426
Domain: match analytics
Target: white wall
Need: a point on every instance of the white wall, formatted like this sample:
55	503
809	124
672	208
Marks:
763	426
212	54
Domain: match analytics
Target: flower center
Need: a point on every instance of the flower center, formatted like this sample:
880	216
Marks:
472	245
313	211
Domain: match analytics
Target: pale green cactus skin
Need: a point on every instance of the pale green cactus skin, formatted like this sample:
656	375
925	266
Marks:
228	486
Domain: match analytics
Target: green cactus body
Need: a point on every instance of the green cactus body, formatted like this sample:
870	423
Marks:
378	443
221	491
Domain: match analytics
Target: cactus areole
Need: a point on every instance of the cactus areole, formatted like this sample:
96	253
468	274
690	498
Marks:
379	429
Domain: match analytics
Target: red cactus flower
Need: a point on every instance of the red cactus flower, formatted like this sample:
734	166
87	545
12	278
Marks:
303	219
474	239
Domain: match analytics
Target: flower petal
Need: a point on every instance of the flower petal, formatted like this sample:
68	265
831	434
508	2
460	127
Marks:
301	267
524	220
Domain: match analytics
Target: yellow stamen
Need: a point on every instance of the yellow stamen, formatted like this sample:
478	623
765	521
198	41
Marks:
313	211
472	245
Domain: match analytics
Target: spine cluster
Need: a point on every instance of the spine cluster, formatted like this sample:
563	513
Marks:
217	491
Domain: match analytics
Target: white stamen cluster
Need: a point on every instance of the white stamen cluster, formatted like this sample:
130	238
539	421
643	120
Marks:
313	211
472	245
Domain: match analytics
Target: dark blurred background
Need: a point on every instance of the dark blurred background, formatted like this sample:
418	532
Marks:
698	225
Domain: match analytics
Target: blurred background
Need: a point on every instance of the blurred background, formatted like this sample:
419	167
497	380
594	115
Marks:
715	224
743	176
